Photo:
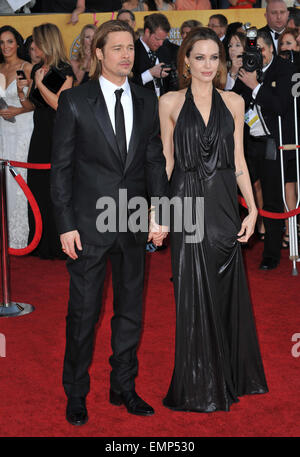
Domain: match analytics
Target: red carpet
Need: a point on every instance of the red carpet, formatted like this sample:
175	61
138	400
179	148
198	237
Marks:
31	395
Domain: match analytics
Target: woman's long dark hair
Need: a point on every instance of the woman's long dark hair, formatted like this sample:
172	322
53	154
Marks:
19	39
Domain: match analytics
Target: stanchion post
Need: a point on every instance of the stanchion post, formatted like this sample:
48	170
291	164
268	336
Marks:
7	308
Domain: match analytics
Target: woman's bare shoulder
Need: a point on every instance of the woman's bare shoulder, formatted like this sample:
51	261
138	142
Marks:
234	102
171	99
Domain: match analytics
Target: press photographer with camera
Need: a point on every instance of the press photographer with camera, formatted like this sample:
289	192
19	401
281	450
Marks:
153	65
264	81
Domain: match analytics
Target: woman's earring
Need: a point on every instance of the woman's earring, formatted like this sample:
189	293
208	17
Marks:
187	71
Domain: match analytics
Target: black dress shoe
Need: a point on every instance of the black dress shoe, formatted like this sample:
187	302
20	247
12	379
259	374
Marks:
268	263
133	403
76	413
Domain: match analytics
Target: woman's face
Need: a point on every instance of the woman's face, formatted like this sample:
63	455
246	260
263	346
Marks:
37	51
289	43
8	45
88	38
33	56
185	31
235	47
204	60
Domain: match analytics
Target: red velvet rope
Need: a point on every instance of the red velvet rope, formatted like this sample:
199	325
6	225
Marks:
37	217
271	215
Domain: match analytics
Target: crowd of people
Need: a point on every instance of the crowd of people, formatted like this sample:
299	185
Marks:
26	124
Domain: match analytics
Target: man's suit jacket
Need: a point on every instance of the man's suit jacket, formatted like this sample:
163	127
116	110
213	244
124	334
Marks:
142	63
275	98
86	163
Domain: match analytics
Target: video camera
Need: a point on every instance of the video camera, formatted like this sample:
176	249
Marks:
252	57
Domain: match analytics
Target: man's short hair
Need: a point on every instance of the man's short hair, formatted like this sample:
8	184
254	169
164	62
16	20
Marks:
155	21
191	23
265	36
221	18
132	16
294	13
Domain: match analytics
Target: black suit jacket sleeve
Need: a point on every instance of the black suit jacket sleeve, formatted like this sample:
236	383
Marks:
62	164
156	177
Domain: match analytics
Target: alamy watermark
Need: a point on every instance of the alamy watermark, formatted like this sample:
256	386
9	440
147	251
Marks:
187	215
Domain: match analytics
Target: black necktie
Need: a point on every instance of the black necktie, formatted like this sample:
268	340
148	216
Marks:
152	57
120	126
277	35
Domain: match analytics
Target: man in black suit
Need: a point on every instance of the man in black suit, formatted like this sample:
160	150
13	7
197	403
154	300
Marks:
266	101
151	54
277	17
106	148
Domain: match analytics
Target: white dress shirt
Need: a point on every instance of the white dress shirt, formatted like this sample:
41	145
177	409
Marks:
108	89
258	129
146	76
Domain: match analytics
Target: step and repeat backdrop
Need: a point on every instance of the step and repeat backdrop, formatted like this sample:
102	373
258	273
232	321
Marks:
25	23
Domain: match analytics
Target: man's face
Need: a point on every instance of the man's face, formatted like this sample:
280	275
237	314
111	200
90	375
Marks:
266	51
277	16
155	40
117	56
214	24
125	17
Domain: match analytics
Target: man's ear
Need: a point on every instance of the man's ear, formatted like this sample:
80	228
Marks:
99	54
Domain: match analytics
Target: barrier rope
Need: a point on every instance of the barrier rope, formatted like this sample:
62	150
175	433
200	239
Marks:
269	214
38	219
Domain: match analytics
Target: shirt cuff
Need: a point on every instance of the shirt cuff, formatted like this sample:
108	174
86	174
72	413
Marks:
255	91
146	77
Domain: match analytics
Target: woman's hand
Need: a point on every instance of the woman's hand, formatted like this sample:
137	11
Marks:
39	76
248	226
9	112
21	83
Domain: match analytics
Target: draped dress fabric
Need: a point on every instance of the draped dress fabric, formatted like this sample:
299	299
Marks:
217	357
14	145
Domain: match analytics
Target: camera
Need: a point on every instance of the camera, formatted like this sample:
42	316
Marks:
252	57
172	74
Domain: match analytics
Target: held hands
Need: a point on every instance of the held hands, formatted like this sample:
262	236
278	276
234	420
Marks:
157	233
157	72
248	226
68	242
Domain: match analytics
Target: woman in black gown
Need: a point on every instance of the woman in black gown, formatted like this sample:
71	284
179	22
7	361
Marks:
217	358
48	45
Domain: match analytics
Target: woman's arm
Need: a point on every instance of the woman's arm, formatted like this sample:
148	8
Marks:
166	129
242	174
80	8
48	96
12	111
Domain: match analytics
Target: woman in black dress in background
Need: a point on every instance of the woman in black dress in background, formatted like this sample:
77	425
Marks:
217	357
48	45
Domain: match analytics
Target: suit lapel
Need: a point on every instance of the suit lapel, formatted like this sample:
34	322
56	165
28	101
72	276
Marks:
99	109
137	105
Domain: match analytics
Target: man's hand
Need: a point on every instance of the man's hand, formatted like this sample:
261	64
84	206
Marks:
68	241
156	71
248	78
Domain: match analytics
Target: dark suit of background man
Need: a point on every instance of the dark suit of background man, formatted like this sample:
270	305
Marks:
105	141
151	53
271	98
277	17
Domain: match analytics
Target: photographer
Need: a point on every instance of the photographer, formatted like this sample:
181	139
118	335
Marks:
154	66
267	91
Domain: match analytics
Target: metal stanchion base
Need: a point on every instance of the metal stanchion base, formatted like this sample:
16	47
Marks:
15	309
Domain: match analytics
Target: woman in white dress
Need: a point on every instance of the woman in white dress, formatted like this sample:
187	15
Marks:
14	136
